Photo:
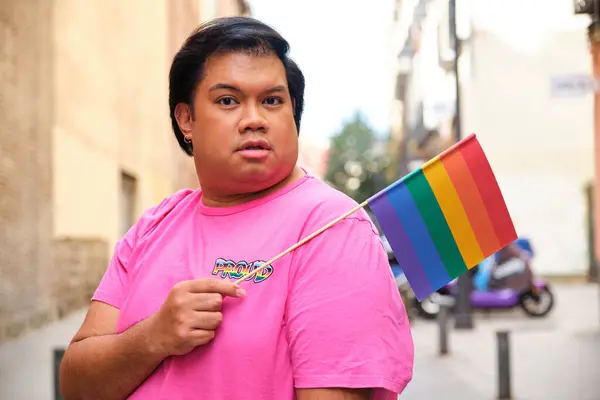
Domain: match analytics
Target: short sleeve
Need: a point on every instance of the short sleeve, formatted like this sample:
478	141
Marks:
347	325
113	287
114	283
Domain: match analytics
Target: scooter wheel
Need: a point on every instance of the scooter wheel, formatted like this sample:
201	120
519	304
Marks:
427	308
537	305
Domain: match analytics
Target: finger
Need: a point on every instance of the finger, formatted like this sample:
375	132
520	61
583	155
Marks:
200	337
206	301
209	285
206	320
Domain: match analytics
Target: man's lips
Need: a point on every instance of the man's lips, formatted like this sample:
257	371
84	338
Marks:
254	154
255	150
255	144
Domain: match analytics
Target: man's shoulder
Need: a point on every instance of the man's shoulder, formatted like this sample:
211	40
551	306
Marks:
317	195
152	216
322	203
168	203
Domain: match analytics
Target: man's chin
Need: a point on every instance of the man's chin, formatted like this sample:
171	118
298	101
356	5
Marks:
259	178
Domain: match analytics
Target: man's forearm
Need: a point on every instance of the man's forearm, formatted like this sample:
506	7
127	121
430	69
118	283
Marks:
334	394
108	367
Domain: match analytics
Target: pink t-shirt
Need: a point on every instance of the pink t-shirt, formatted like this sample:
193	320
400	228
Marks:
326	315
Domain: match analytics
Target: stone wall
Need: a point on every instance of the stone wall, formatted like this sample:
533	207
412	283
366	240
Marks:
79	266
78	106
25	165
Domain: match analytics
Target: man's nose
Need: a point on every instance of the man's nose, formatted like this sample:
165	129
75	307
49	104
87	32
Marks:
253	119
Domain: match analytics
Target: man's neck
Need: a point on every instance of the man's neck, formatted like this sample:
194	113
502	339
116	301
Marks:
212	200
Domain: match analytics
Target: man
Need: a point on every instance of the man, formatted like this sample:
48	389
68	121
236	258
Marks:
167	321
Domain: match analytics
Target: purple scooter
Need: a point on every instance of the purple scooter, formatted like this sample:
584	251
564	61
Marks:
535	302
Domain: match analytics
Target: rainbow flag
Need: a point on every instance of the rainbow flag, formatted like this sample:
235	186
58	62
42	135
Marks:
444	218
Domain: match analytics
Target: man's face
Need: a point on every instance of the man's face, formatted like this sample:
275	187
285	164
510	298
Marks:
244	135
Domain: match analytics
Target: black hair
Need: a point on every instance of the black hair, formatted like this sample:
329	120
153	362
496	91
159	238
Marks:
225	35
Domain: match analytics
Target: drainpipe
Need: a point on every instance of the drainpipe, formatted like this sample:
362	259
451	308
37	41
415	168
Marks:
594	41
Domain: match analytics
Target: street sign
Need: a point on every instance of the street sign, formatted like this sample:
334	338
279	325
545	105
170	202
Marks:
572	85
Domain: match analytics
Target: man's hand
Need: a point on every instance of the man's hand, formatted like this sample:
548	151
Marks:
188	318
190	315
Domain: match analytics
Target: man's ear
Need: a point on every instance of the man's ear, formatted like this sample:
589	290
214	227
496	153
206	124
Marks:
185	119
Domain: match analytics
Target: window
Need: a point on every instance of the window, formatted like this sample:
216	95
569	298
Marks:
128	202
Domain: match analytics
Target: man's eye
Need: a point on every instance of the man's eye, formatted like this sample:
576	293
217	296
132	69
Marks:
227	101
273	101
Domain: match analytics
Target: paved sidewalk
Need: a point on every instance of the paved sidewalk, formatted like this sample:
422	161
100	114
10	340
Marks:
557	358
26	365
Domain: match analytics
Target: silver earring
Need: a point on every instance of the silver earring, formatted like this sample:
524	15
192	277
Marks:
187	140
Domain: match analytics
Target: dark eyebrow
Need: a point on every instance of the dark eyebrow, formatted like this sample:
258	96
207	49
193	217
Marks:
224	86
218	86
278	88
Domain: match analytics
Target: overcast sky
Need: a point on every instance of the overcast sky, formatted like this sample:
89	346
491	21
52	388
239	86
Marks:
341	47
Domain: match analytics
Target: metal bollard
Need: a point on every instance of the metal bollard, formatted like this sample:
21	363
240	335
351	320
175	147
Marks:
504	386
58	356
442	320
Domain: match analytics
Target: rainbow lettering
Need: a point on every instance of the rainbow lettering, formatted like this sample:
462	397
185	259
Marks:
229	269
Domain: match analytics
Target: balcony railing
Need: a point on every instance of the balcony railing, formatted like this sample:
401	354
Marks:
590	7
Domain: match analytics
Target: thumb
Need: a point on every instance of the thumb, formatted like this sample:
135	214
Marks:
236	292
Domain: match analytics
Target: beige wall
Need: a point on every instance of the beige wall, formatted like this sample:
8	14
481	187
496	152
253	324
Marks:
540	145
595	67
25	166
111	107
183	17
85	97
230	7
111	96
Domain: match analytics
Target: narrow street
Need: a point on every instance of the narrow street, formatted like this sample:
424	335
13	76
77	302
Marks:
557	358
26	365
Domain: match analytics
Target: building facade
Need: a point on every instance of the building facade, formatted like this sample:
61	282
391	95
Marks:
26	206
591	8
537	135
404	47
423	102
85	140
313	156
